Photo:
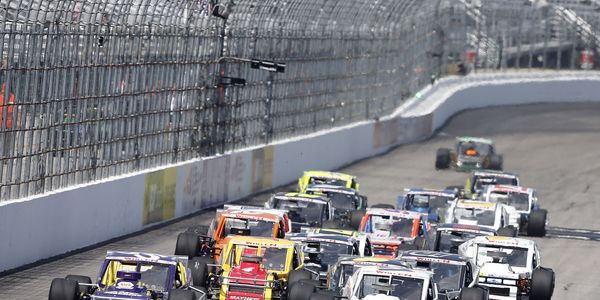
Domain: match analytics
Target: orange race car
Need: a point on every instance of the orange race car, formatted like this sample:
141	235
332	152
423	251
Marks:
232	221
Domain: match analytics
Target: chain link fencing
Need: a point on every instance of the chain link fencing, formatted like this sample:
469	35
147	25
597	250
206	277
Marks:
98	88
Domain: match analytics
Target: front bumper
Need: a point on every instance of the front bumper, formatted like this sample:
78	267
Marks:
502	292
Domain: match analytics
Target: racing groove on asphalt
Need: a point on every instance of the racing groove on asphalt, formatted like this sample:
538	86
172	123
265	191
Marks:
555	148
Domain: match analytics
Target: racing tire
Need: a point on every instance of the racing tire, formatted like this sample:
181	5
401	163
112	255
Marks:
331	224
188	244
300	291
473	294
200	270
312	282
442	159
536	225
298	275
495	162
320	295
63	289
508	231
181	295
356	217
383	205
542	284
81	289
198	230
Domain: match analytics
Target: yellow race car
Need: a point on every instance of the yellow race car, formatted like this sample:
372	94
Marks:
326	177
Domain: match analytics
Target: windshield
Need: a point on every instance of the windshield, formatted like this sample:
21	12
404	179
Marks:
513	256
474	216
520	201
305	212
448	241
152	276
328	252
402	287
481	181
473	149
447	276
395	226
341	275
345	202
256	227
328	181
272	259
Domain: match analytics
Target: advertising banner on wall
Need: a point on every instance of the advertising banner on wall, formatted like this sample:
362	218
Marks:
159	195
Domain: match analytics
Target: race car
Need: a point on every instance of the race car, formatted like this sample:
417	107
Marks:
455	275
322	250
364	242
328	178
207	241
479	179
532	219
395	282
449	236
394	229
346	266
470	153
304	210
253	268
131	275
510	267
434	203
496	216
348	204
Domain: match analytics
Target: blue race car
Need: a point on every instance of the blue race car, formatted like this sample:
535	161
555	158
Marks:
132	275
427	201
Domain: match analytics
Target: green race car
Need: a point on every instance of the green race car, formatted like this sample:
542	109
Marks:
470	153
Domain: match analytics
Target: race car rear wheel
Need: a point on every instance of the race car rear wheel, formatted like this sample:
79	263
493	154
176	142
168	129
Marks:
384	205
62	289
81	279
188	244
200	270
442	159
473	294
322	296
495	162
198	230
509	231
300	291
356	217
542	284
536	225
298	275
181	295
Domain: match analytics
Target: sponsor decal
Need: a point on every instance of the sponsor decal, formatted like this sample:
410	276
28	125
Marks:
159	196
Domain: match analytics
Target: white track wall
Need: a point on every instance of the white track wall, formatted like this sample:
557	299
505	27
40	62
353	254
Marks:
53	224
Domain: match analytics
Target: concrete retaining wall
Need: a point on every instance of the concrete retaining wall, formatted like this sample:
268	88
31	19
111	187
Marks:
49	225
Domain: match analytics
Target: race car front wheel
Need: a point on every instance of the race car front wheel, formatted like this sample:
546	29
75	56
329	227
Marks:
536	225
473	294
62	289
300	291
188	244
181	295
542	284
442	159
82	289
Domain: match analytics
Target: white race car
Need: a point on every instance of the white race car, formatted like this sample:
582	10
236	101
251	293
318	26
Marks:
509	267
496	216
532	219
375	282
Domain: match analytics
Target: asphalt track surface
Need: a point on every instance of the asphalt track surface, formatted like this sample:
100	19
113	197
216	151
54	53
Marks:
555	148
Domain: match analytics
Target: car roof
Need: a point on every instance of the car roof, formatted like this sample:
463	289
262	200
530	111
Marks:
328	174
464	228
331	189
302	197
407	214
474	139
261	241
144	257
251	215
403	271
323	237
370	261
504	241
494	173
432	256
509	188
434	192
475	204
345	232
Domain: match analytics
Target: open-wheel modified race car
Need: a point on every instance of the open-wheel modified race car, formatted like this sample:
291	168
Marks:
328	178
253	268
510	267
496	216
132	275
364	242
207	241
392	229
348	204
448	237
341	271
434	203
455	275
470	153
532	219
478	180
304	210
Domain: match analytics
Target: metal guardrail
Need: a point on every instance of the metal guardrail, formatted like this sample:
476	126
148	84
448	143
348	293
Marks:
99	88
